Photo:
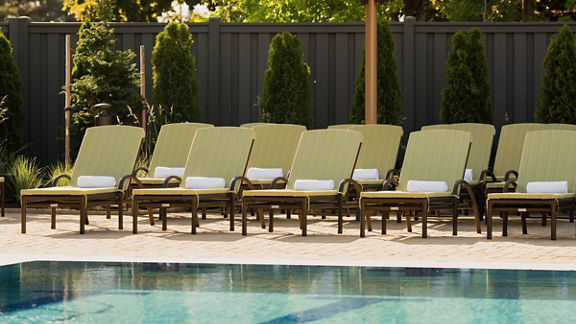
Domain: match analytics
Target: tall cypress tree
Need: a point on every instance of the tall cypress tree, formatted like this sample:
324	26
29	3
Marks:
389	102
466	97
174	73
557	102
286	92
10	85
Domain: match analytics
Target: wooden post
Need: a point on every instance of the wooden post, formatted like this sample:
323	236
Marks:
67	103
143	85
371	62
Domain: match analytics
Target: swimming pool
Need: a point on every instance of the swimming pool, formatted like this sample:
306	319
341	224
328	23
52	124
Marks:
209	293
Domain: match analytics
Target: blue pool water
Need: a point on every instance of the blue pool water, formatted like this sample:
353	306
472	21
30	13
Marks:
90	292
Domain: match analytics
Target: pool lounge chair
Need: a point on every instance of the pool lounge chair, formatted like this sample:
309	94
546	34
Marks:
547	156
170	152
250	125
217	154
509	150
274	149
101	174
325	157
433	157
482	138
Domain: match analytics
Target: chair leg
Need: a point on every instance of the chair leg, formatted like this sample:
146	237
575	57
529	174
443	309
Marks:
244	217
544	215
194	221
385	216
489	220
164	218
261	218
150	216
524	228
53	217
454	217
288	213
2	200
120	204
109	213
398	216
571	217
271	220
369	222
424	220
203	213
303	217
553	220
23	216
340	216
231	207
134	215
83	215
363	212
408	221
505	224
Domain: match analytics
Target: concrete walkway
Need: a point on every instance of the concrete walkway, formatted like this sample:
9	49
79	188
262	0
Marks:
323	246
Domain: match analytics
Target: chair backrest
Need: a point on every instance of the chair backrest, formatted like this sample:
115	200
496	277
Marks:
548	155
325	154
250	125
342	126
275	146
435	155
173	145
221	152
379	147
482	137
511	142
107	151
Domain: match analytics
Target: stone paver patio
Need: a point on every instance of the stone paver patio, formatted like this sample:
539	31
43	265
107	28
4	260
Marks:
214	244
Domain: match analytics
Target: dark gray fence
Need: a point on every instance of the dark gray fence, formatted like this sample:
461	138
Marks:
231	60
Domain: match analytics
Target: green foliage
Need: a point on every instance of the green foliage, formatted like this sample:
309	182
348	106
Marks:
7	158
123	10
26	174
39	10
472	10
557	102
389	102
100	74
10	85
57	169
174	73
286	92
466	97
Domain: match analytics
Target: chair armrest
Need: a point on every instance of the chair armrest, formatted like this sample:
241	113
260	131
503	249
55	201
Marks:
391	173
243	180
352	182
487	173
129	177
507	185
510	172
387	185
58	177
276	180
167	180
138	169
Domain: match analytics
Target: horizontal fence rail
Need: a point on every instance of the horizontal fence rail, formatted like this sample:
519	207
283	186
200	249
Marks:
231	59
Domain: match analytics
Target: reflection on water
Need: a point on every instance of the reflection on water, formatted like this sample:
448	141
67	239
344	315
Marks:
30	285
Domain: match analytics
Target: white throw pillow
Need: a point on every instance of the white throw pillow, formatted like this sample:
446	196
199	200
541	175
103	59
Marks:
547	187
165	172
427	186
468	175
313	185
264	174
365	174
96	182
205	183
